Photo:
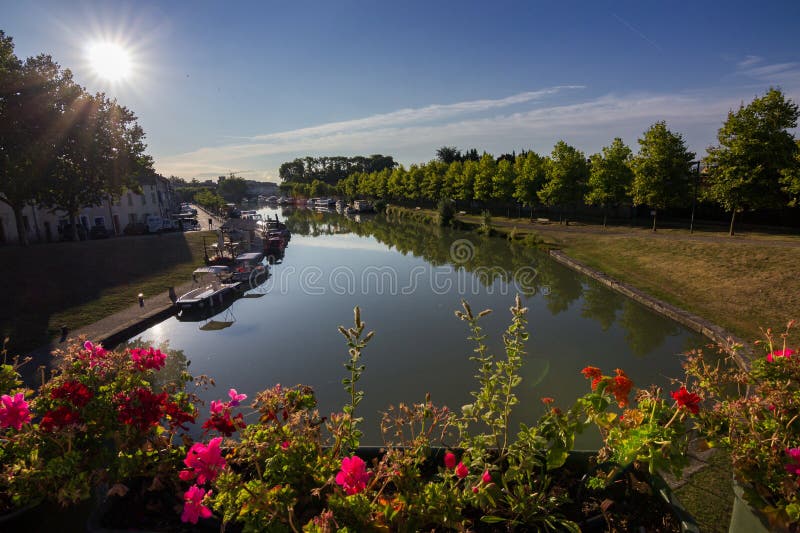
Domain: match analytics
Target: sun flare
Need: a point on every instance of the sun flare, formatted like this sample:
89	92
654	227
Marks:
109	60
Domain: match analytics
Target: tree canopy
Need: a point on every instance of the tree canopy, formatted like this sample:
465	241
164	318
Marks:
610	175
755	152
662	169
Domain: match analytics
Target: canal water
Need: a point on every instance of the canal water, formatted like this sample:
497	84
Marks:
408	279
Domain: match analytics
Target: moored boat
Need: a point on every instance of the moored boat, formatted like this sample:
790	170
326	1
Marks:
215	286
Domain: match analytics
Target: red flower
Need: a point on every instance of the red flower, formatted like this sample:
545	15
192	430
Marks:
178	417
461	471
353	476
73	391
486	477
450	460
547	400
621	388
141	408
593	373
224	423
59	417
689	400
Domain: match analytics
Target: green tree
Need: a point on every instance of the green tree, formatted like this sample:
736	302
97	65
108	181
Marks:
610	176
503	181
97	156
34	97
566	174
233	189
448	154
484	178
790	178
466	182
661	170
755	150
531	173
451	179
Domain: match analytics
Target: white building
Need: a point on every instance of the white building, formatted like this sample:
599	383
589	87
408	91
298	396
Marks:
42	225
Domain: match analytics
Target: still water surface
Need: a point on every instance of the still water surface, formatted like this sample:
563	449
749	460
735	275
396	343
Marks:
408	280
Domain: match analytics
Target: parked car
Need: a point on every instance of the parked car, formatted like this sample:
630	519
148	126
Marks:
66	234
99	232
135	228
190	224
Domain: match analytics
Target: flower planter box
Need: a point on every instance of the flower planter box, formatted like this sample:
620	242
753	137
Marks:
105	517
746	519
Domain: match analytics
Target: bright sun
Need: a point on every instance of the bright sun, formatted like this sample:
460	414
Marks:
110	61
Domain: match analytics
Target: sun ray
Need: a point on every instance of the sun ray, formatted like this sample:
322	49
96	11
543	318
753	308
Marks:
109	60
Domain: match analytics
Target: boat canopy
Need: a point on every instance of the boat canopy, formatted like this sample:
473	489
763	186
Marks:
214	269
250	257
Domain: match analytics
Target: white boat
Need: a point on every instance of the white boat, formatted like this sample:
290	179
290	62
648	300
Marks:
248	266
363	206
215	285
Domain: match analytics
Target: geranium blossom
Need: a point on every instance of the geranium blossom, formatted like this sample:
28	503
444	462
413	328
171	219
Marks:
486	477
73	391
236	397
461	471
204	462
793	466
224	423
14	411
177	417
450	460
353	476
148	358
140	408
621	387
59	417
96	355
689	400
193	508
787	353
593	373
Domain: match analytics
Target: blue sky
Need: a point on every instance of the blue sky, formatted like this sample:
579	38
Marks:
229	86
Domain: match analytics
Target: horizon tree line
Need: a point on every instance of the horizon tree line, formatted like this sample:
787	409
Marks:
756	164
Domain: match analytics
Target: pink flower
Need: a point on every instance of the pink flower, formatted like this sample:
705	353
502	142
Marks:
793	467
475	489
787	353
486	477
96	355
353	476
236	397
148	359
205	462
450	460
285	445
14	411
193	508
218	407
461	471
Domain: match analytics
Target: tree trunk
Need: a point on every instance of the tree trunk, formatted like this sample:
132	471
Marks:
605	215
73	220
22	235
654	219
733	218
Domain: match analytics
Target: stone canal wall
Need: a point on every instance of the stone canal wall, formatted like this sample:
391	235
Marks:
717	334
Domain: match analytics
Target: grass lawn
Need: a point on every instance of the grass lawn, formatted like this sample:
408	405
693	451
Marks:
78	283
740	283
740	287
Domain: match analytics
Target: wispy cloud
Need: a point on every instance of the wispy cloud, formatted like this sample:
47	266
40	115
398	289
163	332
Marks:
412	135
755	67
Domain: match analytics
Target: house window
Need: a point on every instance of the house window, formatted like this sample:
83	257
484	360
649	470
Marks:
25	223
99	221
130	199
153	197
144	199
85	221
